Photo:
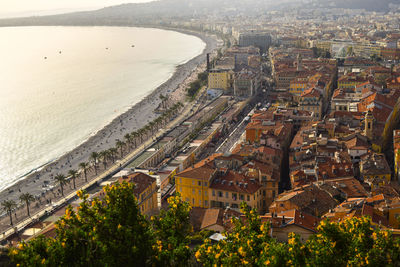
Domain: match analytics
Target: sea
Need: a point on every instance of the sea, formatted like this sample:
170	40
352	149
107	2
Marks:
60	85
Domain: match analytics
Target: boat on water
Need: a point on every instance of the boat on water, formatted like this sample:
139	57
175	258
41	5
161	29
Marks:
133	46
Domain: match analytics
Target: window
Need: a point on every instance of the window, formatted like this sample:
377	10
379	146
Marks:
193	182
273	194
213	193
193	201
248	198
205	193
199	183
199	202
206	203
220	194
264	193
193	191
200	192
226	194
241	197
205	183
234	196
180	180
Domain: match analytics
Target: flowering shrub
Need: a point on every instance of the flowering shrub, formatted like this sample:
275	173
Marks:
353	242
111	232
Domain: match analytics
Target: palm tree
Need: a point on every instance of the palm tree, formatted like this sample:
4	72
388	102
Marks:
128	138
134	137
62	181
162	98
84	166
94	156
120	145
112	151
158	122
8	206
73	174
141	133
27	199
104	155
147	130
151	127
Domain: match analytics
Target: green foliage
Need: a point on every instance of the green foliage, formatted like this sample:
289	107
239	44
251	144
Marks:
172	229
196	85
318	52
112	232
353	242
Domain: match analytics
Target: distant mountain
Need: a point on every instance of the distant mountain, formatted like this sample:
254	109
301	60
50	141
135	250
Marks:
369	5
142	13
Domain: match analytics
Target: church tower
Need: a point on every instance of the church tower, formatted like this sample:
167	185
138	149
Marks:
299	62
369	124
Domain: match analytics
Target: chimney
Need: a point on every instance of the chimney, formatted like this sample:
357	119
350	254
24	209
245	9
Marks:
208	62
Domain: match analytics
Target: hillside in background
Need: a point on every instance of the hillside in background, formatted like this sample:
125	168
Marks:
142	13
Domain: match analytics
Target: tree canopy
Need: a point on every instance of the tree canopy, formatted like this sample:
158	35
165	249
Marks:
112	232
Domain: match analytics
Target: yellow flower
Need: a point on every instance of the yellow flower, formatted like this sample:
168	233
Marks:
242	252
267	262
43	261
119	226
262	228
63	244
79	193
197	255
217	255
14	252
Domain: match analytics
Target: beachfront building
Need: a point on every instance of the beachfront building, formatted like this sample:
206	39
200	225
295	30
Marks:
220	79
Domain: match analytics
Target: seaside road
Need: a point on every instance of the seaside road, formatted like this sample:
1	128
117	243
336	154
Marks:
187	111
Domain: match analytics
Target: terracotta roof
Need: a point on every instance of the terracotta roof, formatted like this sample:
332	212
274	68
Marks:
203	173
308	199
235	182
142	181
312	92
350	186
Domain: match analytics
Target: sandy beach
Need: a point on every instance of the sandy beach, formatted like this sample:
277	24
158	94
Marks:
135	118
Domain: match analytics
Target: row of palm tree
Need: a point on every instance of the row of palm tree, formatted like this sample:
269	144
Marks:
10	205
130	140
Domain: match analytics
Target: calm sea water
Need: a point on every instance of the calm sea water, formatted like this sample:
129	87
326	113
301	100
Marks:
59	85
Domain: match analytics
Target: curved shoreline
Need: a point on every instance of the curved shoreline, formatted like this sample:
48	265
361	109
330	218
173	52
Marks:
141	112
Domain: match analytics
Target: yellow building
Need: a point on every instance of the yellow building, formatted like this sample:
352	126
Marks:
220	79
324	45
193	184
375	170
206	186
298	85
350	81
145	191
366	50
394	215
230	189
311	100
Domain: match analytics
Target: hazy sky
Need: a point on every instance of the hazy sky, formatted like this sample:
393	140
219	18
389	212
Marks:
20	7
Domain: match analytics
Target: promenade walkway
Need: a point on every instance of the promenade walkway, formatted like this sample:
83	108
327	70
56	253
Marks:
188	110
